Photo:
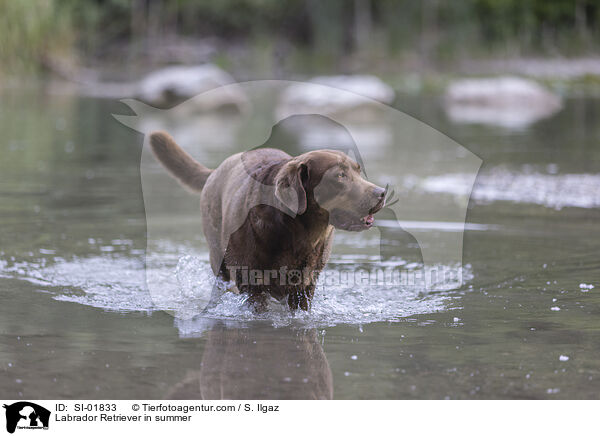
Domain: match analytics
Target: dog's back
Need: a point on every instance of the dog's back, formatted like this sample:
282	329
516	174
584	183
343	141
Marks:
242	182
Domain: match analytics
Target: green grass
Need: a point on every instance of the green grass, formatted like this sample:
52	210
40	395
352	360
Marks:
31	31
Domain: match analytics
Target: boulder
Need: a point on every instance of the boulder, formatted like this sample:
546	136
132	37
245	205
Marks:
327	99
511	102
172	85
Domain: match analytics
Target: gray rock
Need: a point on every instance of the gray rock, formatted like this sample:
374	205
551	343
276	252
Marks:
172	85
510	102
304	97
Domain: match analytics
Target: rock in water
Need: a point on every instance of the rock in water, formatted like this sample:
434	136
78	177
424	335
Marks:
327	99
511	102
172	85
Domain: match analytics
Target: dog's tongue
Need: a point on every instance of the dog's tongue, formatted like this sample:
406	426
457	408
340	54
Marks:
369	219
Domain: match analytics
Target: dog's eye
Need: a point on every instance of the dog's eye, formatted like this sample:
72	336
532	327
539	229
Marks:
341	175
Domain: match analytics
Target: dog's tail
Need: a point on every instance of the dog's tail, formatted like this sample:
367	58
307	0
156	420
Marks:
190	173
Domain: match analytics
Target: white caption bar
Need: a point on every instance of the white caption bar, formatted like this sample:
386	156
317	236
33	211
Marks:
298	417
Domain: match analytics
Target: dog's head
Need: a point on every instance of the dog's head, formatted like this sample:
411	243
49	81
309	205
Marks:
330	180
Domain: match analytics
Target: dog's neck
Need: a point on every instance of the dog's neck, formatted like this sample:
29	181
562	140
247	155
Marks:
315	220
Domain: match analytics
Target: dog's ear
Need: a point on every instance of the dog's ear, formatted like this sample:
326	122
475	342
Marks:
289	186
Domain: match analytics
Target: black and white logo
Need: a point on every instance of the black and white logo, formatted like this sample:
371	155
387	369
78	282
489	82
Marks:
26	415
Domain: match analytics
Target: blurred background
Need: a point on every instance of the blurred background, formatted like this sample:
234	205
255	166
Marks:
283	39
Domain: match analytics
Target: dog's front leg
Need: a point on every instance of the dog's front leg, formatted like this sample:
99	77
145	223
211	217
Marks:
301	298
259	302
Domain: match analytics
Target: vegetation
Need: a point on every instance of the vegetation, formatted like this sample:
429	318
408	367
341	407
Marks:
32	30
430	31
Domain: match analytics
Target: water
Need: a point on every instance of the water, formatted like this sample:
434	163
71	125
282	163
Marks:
78	321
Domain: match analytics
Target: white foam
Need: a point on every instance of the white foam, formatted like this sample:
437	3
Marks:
117	282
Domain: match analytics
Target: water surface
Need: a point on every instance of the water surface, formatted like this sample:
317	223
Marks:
77	320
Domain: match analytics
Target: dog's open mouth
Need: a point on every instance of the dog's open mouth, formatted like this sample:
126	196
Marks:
347	220
369	219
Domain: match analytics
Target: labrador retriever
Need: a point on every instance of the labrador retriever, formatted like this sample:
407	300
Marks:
269	218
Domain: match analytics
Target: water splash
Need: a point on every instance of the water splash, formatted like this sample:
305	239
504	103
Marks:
116	282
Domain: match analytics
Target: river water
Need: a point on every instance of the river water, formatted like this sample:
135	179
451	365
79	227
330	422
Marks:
77	319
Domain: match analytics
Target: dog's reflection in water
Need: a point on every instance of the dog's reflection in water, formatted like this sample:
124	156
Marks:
259	364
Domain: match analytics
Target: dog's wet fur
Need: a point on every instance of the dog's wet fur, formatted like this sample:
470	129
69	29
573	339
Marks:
312	194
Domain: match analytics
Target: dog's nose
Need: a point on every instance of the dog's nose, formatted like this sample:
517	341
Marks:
379	192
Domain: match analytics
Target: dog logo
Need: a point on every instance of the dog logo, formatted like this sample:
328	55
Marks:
26	415
421	229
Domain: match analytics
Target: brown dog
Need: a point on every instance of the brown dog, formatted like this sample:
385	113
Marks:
269	217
